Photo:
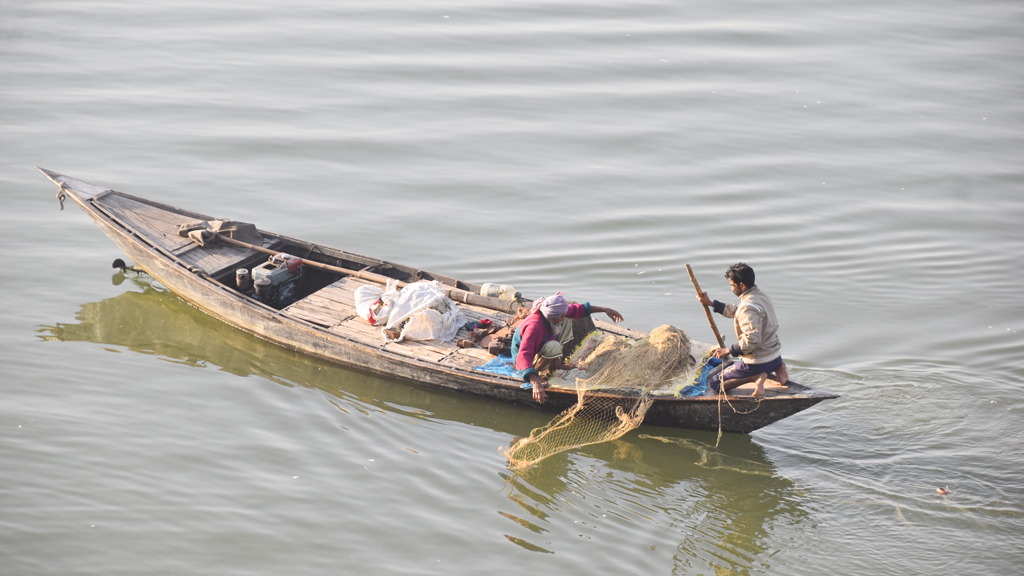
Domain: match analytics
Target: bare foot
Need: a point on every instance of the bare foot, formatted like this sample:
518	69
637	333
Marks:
759	389
782	374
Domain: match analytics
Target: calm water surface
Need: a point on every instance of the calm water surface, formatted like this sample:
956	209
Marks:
864	159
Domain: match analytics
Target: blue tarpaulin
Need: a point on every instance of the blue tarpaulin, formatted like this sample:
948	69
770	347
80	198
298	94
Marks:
502	365
700	386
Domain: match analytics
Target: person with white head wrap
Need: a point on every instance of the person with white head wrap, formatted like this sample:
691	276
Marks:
544	323
552	307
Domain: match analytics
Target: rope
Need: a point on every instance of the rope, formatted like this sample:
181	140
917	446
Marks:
721	394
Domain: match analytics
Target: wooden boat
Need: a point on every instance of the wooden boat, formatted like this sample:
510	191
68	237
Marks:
320	319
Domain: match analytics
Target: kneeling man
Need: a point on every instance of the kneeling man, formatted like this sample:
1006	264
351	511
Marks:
757	348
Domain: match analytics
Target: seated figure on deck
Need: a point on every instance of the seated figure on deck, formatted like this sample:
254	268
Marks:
757	348
547	323
550	358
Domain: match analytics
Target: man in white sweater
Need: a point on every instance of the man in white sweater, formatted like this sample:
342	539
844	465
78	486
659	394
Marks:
757	349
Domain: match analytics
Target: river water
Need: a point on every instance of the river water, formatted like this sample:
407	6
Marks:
864	158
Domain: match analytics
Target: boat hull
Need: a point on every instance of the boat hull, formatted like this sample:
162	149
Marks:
204	291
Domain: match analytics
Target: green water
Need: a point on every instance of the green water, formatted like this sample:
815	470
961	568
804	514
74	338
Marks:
865	160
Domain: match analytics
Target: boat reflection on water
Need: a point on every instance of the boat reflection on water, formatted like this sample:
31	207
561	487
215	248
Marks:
151	320
715	505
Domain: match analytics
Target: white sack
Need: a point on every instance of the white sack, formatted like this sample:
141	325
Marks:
367	298
441	325
423	325
373	304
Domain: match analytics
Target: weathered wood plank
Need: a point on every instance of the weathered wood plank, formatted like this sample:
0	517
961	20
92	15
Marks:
156	217
424	350
467	358
215	258
317	302
159	226
358	330
342	291
474	313
310	317
337	298
185	247
330	308
316	315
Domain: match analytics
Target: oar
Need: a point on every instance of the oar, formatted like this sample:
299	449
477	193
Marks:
707	309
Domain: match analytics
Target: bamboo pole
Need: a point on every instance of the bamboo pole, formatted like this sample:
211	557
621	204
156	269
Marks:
456	294
707	309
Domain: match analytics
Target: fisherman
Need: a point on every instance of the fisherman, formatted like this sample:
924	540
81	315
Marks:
547	322
757	348
551	358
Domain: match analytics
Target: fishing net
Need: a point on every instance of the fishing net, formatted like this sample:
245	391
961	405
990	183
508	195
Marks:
614	381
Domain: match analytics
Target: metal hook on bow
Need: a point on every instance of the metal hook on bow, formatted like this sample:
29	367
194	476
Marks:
61	196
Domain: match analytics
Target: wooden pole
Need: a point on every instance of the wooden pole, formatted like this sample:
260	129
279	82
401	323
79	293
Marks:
378	278
459	295
707	309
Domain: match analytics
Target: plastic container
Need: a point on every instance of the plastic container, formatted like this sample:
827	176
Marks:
503	291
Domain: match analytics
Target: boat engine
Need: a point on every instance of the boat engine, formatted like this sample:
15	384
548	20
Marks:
276	280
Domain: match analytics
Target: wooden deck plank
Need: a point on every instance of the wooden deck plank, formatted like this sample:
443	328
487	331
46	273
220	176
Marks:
467	358
422	349
342	291
337	297
311	317
474	313
159	226
208	257
215	258
325	306
157	217
316	301
358	330
329	308
218	257
185	247
322	316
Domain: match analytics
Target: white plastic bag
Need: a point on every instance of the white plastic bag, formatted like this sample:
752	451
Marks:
373	304
368	302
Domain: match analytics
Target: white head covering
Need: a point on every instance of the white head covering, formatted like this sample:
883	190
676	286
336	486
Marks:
552	307
551	349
